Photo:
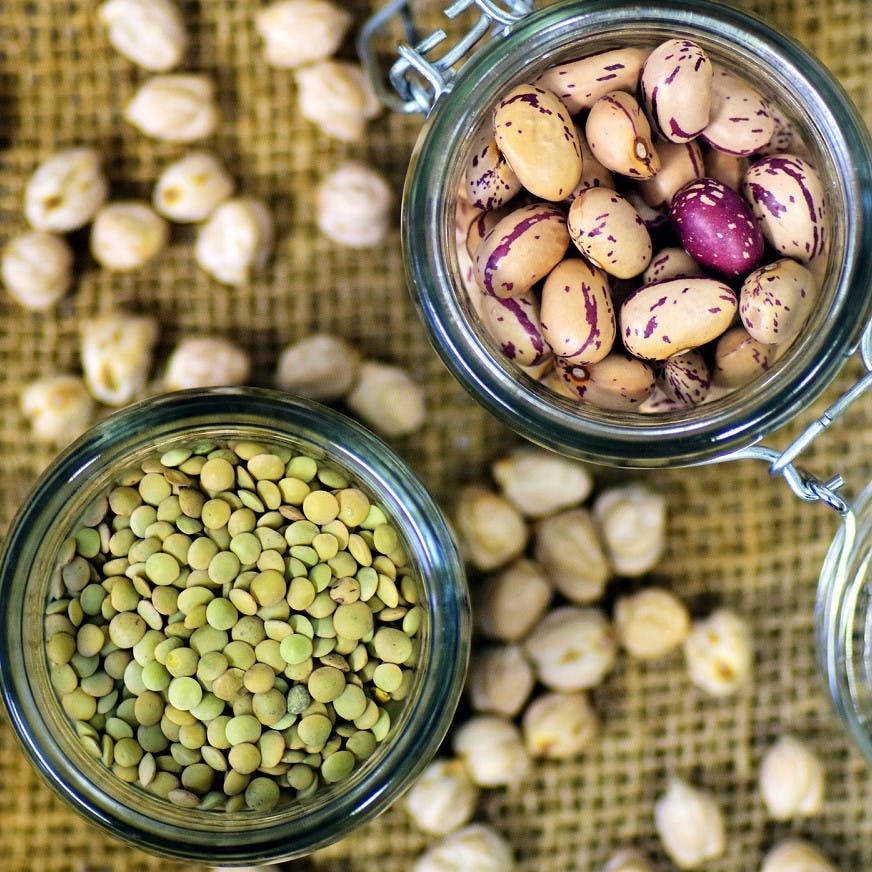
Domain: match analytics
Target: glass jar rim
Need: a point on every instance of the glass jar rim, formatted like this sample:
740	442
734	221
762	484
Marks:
631	439
378	469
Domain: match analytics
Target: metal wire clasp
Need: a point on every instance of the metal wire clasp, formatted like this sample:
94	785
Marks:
417	77
802	483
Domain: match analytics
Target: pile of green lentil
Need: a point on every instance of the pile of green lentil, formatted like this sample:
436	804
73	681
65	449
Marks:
233	624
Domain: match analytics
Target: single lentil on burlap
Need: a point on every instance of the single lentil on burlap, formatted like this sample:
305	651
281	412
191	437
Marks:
232	624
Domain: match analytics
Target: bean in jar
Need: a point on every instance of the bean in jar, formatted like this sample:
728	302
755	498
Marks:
232	625
643	212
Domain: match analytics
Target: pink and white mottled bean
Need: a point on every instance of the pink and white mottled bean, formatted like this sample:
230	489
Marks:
676	86
717	228
786	137
776	300
680	163
577	315
686	378
666	318
481	225
522	249
618	382
787	198
671	263
593	173
729	169
514	324
579	84
619	135
534	130
741	122
608	231
490	181
739	358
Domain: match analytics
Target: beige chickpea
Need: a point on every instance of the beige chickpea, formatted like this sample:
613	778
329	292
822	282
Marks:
791	780
569	549
628	860
651	623
490	529
297	32
37	269
443	798
174	107
337	96
116	352
320	366
206	361
236	240
387	399
509	603
477	847
126	235
557	726
690	825
151	33
353	205
191	188
719	654
500	680
572	648
796	855
492	749
59	408
540	483
65	191
632	520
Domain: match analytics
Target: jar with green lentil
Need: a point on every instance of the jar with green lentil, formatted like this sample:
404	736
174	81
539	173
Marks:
231	642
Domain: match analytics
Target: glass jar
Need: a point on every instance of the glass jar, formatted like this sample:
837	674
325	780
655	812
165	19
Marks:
54	510
809	96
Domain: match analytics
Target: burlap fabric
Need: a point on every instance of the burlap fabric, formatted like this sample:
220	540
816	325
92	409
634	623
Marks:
736	537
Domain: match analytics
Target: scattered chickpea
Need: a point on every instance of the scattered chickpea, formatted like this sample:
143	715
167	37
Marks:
206	361
443	798
628	860
540	483
478	847
632	519
174	107
320	366
191	188
651	623
500	680
690	825
558	726
297	32
386	398
493	751
151	33
510	603
796	855
236	240
353	206
719	653
37	269
491	530
791	780
127	235
59	408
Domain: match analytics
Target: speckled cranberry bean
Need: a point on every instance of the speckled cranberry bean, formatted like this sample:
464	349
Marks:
716	227
680	163
786	138
787	198
514	324
776	300
729	169
686	378
666	318
522	249
481	225
534	131
670	263
619	135
593	173
740	119
676	85
578	318
739	358
490	181
608	231
617	382
579	84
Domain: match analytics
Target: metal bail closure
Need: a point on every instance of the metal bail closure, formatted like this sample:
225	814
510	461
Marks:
418	77
802	483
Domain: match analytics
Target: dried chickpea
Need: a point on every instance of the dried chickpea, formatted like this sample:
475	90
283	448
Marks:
191	188
651	623
443	798
632	520
151	33
386	398
174	107
477	847
37	269
320	366
206	361
127	235
628	860
557	726
719	653
791	780
509	604
796	855
353	205
500	680
236	240
297	32
491	530
492	749
59	408
690	825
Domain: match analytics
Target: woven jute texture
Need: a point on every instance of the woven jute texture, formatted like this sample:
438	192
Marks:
736	538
